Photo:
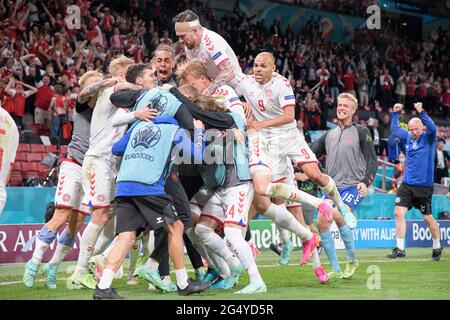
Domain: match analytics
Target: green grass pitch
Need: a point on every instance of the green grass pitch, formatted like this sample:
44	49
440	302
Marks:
415	277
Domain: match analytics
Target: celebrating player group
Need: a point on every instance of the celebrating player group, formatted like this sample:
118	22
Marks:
165	156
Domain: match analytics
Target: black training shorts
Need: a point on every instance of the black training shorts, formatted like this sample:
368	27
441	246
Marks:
136	213
414	196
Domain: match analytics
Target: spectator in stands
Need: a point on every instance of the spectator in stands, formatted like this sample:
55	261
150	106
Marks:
400	88
326	103
312	114
375	85
16	100
323	75
445	98
410	91
440	163
44	96
363	90
58	113
436	95
384	130
304	132
373	129
334	84
387	84
423	91
349	82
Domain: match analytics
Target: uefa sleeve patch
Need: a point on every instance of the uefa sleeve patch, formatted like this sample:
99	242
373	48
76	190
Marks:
289	97
217	55
234	99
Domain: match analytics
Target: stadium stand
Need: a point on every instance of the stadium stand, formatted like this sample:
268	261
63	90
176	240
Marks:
34	43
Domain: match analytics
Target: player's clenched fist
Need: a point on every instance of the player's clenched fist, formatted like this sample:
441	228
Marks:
418	106
398	107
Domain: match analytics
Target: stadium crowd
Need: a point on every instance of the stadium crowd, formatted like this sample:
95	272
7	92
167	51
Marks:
42	59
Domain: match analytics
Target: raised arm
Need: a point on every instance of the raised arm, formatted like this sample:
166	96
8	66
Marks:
126	98
398	132
95	88
226	74
123	117
431	127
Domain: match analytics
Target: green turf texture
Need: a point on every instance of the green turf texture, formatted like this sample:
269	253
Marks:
415	277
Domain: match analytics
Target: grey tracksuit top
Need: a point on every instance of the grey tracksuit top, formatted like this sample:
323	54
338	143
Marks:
350	155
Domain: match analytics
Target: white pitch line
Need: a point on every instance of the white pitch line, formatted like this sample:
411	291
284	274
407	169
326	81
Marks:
271	266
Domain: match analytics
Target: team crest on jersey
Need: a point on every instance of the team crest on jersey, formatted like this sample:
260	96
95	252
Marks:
101	197
146	137
66	197
268	92
159	102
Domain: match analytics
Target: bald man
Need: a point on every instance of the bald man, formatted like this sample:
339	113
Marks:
417	187
273	104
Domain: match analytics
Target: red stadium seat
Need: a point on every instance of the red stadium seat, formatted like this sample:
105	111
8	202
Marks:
51	148
17	166
16	178
43	170
30	169
29	166
35	148
35	157
21	156
24	147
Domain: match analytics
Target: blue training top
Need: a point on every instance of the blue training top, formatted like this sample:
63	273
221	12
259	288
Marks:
420	153
147	155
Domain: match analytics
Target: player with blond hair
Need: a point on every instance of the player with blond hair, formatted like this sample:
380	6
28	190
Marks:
99	170
69	191
352	163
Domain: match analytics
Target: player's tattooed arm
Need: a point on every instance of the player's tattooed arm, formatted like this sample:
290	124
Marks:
225	75
95	88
